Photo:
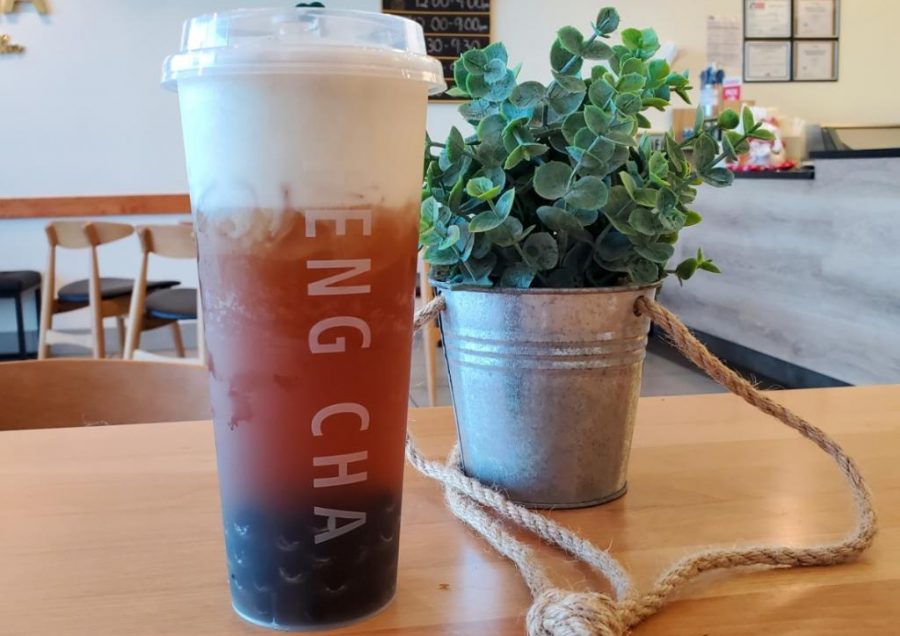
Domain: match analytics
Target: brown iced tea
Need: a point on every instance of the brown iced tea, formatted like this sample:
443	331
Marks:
308	325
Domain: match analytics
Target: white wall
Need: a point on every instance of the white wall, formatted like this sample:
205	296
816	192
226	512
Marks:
81	111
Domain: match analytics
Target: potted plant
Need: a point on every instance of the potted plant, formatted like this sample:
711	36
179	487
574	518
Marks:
542	229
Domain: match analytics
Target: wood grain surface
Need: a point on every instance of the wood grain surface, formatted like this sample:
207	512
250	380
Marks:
107	205
113	530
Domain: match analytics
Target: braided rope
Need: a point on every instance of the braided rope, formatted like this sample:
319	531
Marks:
557	612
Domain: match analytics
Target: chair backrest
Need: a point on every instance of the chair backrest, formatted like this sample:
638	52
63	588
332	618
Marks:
64	392
171	241
81	234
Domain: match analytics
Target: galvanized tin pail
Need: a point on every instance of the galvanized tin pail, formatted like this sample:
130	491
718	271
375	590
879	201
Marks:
545	384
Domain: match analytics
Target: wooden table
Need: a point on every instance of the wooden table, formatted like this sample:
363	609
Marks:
113	531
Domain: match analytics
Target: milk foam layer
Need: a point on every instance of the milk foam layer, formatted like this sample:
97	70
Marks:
299	141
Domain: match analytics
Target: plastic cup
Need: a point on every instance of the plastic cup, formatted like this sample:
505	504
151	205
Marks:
303	133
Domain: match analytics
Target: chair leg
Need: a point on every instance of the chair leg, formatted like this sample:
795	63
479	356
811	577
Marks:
120	329
20	327
46	321
176	338
97	329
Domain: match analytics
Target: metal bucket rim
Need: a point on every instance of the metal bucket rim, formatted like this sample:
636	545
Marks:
562	291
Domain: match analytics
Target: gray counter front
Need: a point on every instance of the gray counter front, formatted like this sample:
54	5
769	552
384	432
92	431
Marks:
810	272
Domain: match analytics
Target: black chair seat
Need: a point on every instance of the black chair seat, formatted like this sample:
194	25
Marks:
16	282
77	292
172	304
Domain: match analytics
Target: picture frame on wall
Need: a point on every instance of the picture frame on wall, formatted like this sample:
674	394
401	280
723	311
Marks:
815	60
767	60
768	19
817	19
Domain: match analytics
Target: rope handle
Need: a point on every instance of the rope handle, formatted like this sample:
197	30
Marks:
557	612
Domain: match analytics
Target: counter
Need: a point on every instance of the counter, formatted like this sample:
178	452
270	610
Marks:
810	287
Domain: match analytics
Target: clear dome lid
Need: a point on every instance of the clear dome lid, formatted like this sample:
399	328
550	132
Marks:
303	40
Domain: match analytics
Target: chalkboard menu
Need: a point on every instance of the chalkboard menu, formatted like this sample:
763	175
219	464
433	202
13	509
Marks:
451	27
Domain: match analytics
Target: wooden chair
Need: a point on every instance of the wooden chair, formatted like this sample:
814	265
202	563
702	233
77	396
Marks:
13	285
84	392
165	306
105	297
431	335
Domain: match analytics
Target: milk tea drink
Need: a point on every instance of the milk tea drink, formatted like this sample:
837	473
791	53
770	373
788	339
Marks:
303	133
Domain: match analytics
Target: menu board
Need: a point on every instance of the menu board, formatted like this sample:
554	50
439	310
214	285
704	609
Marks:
451	27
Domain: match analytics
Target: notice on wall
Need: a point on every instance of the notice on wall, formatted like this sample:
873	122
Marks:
814	61
451	27
723	44
767	18
815	18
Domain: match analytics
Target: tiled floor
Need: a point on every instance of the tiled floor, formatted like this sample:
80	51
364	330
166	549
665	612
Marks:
664	374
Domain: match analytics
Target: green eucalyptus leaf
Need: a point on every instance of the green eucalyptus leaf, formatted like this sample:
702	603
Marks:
502	88
686	268
437	256
597	50
631	82
517	156
517	275
644	221
674	150
618	210
482	189
736	141
430	210
618	158
632	65
477	110
747	120
482	245
494	71
646	196
588	193
612	246
477	86
607	21
573	123
621	138
451	238
542	250
597	119
657	72
560	220
705	149
527	94
475	61
692	217
628	181
455	198
491	154
658	165
763	133
505	203
655	252
666	200
631	39
655	102
709	266
456	91
699	119
600	93
643	272
507	233
569	83
561	59
551	179
565	104
585	139
495	173
571	39
672	220
649	41
496	51
718	177
628	103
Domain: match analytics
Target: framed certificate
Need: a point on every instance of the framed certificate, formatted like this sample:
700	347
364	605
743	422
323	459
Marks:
815	60
816	18
767	61
768	19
